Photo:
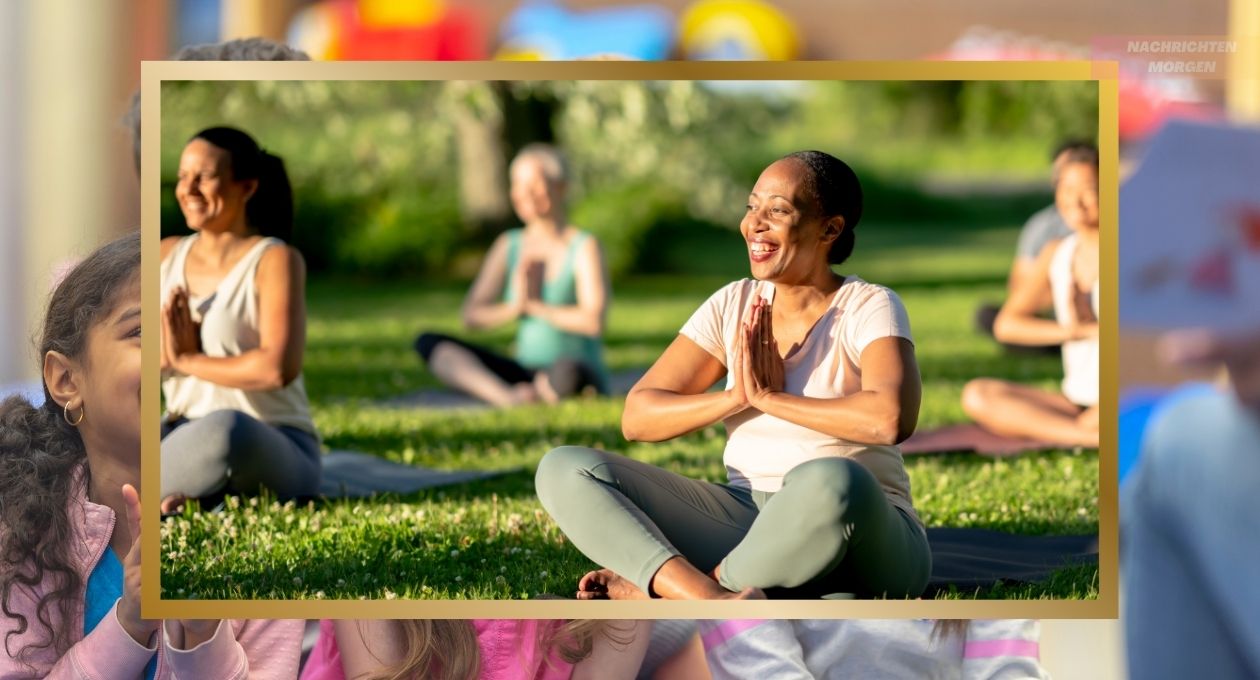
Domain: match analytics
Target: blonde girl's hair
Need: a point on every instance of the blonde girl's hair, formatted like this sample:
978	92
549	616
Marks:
945	628
446	649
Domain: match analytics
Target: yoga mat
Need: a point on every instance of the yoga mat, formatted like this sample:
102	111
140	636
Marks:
350	474
619	383
970	437
972	558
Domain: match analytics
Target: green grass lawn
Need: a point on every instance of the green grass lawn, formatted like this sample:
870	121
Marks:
491	539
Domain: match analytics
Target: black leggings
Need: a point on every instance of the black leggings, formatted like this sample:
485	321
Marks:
567	376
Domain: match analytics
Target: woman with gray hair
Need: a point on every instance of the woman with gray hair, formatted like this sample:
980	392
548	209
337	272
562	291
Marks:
550	277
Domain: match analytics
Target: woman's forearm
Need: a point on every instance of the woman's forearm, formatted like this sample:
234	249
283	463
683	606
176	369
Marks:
1024	330
490	315
254	370
569	318
653	415
862	418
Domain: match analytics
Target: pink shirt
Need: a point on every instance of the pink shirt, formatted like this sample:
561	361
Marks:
259	650
509	651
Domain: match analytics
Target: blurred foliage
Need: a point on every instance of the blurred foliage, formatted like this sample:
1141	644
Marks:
375	164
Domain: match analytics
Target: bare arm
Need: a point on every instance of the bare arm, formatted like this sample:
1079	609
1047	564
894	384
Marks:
482	308
611	660
587	316
168	244
884	412
1017	323
1023	269
277	361
358	659
670	400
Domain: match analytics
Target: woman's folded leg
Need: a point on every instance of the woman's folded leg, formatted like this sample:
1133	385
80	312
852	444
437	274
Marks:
231	450
632	517
830	529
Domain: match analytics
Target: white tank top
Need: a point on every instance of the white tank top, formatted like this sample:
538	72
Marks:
1080	357
229	327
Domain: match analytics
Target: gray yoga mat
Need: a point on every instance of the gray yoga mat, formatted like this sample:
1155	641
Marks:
351	474
619	383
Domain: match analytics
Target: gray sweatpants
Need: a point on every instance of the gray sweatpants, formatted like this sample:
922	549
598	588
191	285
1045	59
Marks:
232	451
829	530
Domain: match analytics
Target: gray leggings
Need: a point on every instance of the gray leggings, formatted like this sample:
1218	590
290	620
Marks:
232	451
829	530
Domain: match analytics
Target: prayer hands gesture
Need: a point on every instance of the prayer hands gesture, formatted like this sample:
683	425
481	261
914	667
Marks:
758	367
180	334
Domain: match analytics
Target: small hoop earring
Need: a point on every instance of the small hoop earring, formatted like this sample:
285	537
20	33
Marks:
65	413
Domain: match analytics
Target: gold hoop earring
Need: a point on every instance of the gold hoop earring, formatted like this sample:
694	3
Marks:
65	413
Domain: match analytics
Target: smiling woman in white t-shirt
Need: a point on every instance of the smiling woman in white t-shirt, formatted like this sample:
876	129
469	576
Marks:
821	385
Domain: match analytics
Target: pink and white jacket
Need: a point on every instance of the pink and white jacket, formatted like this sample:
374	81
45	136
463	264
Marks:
836	649
258	650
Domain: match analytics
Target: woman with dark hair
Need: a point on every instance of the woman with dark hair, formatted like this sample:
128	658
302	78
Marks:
70	508
233	329
821	386
1064	275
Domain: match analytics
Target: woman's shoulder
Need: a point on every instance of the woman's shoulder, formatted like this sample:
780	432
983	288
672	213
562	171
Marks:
277	253
858	291
170	243
580	235
734	293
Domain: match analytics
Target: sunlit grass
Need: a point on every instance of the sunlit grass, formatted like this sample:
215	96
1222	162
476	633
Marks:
491	538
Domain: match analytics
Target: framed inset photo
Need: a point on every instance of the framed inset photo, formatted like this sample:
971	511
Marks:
702	340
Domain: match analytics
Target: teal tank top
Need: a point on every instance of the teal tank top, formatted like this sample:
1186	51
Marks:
538	343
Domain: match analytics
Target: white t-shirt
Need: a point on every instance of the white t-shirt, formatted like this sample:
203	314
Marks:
760	448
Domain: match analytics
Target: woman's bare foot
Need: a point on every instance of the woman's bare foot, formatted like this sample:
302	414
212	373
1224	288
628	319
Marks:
173	503
523	393
605	584
543	388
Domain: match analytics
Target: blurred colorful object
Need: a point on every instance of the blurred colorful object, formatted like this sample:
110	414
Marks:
547	31
1145	102
747	30
361	30
1141	407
